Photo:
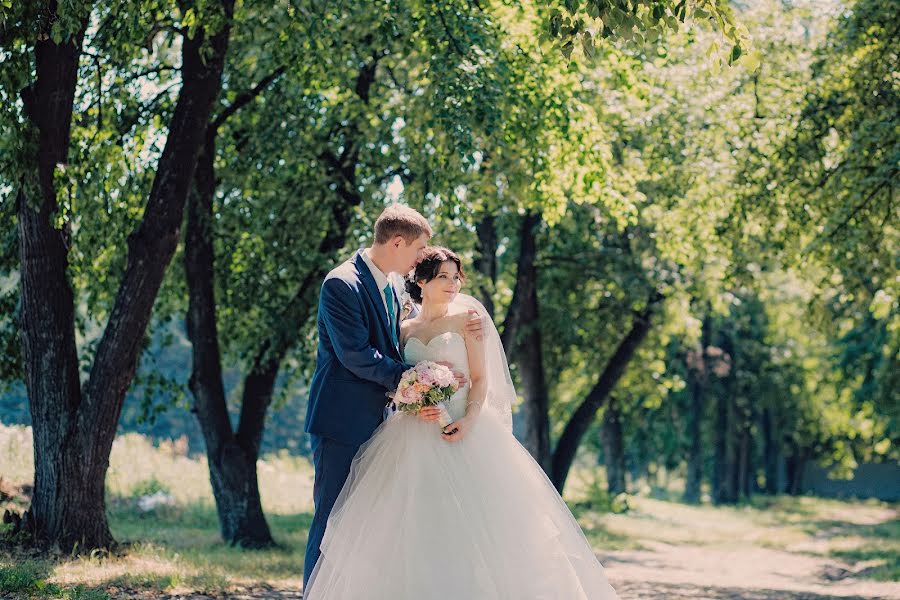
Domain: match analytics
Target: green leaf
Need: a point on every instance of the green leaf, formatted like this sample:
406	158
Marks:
587	44
56	33
190	18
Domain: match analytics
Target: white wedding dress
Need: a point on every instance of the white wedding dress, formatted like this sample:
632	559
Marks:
421	518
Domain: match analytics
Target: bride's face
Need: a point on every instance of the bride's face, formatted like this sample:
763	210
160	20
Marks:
445	285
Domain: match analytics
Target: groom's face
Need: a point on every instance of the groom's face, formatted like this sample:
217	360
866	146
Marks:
408	255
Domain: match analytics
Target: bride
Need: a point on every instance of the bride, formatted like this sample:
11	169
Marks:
463	512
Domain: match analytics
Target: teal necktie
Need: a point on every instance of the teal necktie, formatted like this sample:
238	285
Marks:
389	297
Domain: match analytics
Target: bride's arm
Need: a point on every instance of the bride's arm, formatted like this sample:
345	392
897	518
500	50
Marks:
478	391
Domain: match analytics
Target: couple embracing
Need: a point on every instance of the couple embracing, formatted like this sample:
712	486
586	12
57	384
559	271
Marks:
405	508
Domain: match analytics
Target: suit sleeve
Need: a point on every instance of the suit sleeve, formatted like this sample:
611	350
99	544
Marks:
343	320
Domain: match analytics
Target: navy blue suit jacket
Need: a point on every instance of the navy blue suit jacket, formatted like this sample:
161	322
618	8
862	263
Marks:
357	361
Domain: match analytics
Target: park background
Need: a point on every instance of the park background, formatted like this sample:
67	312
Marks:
681	214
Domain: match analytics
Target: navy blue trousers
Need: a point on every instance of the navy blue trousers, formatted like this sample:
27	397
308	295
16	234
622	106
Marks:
331	461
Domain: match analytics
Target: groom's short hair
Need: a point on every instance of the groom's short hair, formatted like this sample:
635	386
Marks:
401	220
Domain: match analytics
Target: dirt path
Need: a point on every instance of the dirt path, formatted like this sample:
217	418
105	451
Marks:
719	554
674	572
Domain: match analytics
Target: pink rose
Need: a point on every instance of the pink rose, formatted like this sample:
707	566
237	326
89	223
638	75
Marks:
408	396
425	375
443	376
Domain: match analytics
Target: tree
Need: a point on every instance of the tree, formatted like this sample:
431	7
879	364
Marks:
74	424
837	174
700	361
344	160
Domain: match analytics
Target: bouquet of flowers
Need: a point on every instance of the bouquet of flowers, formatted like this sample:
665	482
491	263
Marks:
427	384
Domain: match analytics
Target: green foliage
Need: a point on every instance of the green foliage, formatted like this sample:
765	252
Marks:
637	25
149	487
10	346
844	153
28	580
597	498
833	184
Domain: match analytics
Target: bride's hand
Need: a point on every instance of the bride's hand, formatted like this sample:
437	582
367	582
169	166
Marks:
460	377
429	413
457	430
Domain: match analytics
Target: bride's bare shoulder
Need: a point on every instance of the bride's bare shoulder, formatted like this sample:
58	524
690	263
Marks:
456	321
408	327
412	327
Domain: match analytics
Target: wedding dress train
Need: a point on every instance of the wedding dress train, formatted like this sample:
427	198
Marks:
420	518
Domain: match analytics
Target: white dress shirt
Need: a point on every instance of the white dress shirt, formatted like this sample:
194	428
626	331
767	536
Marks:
381	280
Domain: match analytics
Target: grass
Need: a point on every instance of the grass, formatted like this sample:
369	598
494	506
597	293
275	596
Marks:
875	546
177	548
29	580
170	549
863	534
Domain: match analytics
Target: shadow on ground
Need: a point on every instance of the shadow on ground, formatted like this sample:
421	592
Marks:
631	591
661	591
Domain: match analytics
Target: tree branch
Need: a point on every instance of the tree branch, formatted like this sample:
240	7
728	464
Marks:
243	99
584	415
153	71
453	41
852	214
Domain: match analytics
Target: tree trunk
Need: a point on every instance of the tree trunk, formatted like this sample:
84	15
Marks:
521	338
486	262
694	477
613	448
584	415
725	482
528	350
232	456
770	452
232	461
68	505
744	463
720	450
747	470
698	374
795	465
74	431
510	334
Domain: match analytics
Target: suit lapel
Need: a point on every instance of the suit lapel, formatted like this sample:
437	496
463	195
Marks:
371	287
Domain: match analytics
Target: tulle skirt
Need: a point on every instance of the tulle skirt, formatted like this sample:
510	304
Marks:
421	518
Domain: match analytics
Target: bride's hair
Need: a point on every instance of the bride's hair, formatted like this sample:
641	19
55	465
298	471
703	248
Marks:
432	259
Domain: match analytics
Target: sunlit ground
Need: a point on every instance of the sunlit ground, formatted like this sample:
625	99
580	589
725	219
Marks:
176	549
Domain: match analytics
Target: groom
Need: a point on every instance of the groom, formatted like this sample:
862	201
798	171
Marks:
358	357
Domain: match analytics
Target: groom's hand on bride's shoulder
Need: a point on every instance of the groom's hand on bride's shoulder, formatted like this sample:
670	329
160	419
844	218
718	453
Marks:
475	325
